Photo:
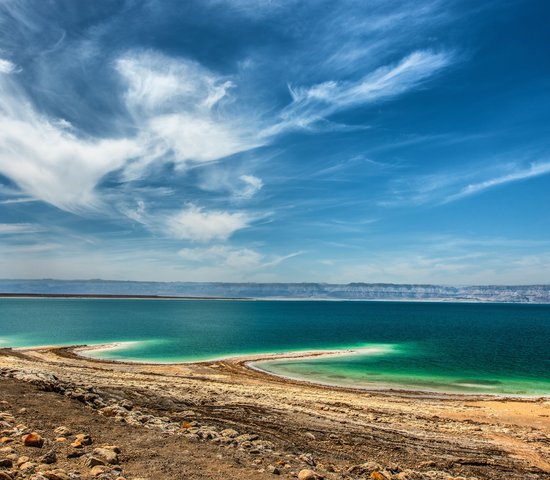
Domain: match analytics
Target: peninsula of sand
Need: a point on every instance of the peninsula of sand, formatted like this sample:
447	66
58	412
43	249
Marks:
66	416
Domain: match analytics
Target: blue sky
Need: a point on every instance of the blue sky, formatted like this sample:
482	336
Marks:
247	140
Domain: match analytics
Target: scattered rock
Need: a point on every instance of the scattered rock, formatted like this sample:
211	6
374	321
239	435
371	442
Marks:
229	433
5	476
57	474
274	470
307	458
49	458
377	476
63	431
33	440
81	440
6	463
307	474
108	454
98	470
93	461
27	466
309	435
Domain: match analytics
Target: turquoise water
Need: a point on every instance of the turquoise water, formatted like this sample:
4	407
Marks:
483	348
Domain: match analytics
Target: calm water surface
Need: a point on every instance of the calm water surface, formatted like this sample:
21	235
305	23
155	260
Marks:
431	346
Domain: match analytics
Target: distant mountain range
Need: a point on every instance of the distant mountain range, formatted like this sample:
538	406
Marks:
298	291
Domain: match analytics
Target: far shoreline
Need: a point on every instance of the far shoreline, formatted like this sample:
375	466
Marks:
94	296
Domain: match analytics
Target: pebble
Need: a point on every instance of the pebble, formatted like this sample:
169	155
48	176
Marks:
307	474
98	470
33	440
57	474
49	458
63	431
274	470
108	454
81	440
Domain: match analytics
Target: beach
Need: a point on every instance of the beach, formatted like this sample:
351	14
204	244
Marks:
224	419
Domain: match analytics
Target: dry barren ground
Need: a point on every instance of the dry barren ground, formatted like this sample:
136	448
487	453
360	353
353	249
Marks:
224	420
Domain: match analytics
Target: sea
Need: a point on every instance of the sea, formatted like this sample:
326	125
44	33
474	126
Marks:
426	346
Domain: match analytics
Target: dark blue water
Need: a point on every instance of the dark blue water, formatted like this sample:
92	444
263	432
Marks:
438	346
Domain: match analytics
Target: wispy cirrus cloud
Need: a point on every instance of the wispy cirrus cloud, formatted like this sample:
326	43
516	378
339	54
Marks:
452	186
317	102
519	174
179	108
19	228
233	257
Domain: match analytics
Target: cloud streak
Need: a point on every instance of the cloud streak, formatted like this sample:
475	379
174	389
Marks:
317	102
534	170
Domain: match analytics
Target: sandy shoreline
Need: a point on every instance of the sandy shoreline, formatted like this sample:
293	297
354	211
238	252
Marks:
254	362
469	436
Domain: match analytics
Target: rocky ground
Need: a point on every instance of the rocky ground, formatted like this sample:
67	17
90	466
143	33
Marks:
66	417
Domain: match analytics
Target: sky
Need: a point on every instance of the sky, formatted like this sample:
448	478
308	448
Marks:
276	141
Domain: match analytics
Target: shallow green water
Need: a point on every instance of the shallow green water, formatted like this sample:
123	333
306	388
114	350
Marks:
430	346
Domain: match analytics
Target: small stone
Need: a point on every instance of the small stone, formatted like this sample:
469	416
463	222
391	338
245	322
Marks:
60	439
5	476
377	476
274	470
6	439
33	440
57	474
98	470
229	433
21	460
108	454
27	466
310	435
307	458
49	458
81	440
307	474
63	431
94	461
6	463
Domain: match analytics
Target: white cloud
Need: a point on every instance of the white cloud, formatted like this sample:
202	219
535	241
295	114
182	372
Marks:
174	103
179	107
11	201
312	104
55	166
195	224
534	170
47	161
6	66
442	188
252	186
19	228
